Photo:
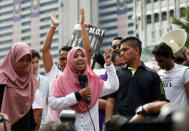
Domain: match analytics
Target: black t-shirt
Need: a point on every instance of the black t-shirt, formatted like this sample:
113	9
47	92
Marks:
143	87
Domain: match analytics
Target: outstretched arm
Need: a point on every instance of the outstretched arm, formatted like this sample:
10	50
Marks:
152	107
47	58
85	37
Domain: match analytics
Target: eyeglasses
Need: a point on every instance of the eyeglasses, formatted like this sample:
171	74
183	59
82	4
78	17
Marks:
63	58
115	46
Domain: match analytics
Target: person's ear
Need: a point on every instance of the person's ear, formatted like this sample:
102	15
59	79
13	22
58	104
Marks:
136	51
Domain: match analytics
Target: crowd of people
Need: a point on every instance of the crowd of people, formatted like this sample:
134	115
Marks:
31	102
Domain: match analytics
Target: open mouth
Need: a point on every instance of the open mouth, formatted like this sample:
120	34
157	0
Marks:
80	63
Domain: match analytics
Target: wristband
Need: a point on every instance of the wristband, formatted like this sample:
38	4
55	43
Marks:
53	26
78	96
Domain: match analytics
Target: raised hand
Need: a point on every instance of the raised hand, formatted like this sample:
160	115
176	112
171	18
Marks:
82	16
54	21
107	56
85	92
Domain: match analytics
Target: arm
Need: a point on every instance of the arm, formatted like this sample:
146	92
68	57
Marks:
37	108
112	83
152	107
47	58
102	104
186	82
59	103
85	37
187	90
37	117
109	107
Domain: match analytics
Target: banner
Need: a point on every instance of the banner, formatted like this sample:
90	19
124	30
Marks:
16	21
121	18
96	36
35	24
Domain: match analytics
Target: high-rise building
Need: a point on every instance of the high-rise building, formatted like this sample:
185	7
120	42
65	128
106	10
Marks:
146	19
108	19
155	18
67	12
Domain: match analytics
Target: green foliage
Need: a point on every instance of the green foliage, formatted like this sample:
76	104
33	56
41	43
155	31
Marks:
183	24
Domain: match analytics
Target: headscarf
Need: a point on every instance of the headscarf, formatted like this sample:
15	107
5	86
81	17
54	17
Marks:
68	83
19	91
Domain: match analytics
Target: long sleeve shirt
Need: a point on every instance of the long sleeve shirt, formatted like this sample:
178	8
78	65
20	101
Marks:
83	121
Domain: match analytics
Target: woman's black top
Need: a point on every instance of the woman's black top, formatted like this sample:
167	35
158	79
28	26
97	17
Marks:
26	123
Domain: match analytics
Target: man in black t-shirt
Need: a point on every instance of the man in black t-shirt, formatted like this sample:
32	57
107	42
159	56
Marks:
138	83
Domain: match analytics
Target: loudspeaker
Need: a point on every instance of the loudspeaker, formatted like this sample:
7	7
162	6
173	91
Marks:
176	40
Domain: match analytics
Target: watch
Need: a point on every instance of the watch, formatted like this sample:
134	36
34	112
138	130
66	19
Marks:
140	110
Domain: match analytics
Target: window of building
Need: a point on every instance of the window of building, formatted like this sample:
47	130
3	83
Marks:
155	0
130	17
26	23
131	32
129	1
130	24
130	9
26	38
182	12
108	6
171	13
148	1
148	19
108	21
25	30
164	16
156	17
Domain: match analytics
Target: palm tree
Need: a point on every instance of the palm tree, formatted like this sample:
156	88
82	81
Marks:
184	24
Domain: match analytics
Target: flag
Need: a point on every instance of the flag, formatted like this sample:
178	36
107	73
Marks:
121	18
136	30
35	24
16	21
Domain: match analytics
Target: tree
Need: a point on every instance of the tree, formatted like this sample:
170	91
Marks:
184	24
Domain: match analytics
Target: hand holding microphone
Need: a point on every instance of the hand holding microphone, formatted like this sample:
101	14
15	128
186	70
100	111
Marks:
85	92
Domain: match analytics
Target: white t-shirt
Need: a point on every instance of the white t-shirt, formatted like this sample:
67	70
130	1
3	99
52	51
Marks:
52	76
173	83
44	90
38	102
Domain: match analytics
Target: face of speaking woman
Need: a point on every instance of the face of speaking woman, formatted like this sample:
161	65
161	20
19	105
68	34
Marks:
79	60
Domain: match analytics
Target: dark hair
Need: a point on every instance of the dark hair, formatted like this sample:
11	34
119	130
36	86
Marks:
35	54
163	50
114	54
64	48
57	126
133	42
117	38
186	63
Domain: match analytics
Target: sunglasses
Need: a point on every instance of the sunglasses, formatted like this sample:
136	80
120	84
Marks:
115	46
62	58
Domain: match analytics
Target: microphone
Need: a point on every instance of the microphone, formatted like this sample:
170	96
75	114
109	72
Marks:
83	80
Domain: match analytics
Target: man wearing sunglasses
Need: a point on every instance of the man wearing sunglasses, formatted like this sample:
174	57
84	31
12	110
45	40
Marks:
116	44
